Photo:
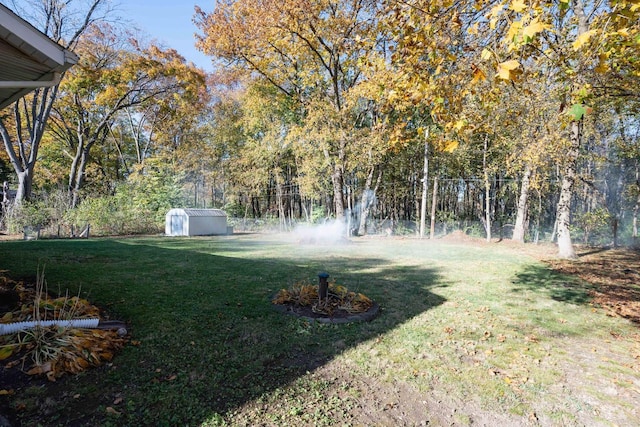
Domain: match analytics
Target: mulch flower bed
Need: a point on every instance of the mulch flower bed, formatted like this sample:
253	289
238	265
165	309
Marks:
341	305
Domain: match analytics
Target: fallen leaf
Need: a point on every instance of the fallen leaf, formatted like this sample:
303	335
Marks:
5	351
112	411
118	400
6	392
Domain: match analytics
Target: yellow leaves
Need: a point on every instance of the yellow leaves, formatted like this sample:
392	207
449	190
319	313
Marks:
478	75
514	30
518	5
507	69
582	39
458	125
602	66
624	32
486	54
494	14
534	27
449	146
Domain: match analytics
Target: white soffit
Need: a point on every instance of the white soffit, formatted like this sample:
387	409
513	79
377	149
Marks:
28	58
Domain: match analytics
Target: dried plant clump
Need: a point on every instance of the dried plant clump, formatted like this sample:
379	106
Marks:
53	350
338	298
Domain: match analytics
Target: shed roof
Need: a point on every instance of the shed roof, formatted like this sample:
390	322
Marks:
28	58
204	212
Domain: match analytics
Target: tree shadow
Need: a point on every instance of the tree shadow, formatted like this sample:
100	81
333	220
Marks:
558	286
208	339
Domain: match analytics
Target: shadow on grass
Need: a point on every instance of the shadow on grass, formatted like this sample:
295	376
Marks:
559	287
208	339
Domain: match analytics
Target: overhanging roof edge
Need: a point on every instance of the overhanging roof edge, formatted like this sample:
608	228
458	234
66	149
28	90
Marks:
35	38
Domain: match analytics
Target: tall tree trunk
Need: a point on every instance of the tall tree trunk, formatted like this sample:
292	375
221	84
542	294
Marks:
487	190
425	183
520	227
368	197
5	198
35	114
337	179
80	175
434	200
74	170
565	246
25	182
279	202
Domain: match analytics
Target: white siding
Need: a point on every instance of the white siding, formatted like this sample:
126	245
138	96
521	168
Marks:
195	222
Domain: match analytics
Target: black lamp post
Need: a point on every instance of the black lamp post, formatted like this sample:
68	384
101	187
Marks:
323	285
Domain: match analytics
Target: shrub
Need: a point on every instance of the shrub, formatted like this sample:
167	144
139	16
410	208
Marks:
138	206
27	214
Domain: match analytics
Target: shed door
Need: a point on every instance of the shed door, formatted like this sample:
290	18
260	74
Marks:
177	222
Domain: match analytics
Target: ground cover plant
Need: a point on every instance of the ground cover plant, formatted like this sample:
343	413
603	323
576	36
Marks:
468	333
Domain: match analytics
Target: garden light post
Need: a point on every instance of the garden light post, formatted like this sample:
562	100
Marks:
323	286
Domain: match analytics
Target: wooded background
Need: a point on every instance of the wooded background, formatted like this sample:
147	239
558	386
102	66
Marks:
506	119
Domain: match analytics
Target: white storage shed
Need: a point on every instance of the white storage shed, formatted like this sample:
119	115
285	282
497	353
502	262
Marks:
195	222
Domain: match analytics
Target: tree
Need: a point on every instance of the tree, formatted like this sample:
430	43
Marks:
116	75
64	23
571	43
310	50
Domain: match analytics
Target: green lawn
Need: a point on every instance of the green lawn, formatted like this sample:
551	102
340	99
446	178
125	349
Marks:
468	333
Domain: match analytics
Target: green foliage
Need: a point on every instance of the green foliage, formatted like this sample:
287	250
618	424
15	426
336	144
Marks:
577	111
318	214
234	209
35	214
590	223
138	206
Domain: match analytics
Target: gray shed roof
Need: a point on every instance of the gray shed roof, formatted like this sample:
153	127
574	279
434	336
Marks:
204	212
28	58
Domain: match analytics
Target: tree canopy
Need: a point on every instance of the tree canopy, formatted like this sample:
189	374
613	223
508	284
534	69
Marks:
520	118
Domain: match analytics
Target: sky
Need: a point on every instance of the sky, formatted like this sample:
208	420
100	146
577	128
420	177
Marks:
170	23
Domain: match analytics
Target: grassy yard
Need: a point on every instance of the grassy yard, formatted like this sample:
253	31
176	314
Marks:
468	333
